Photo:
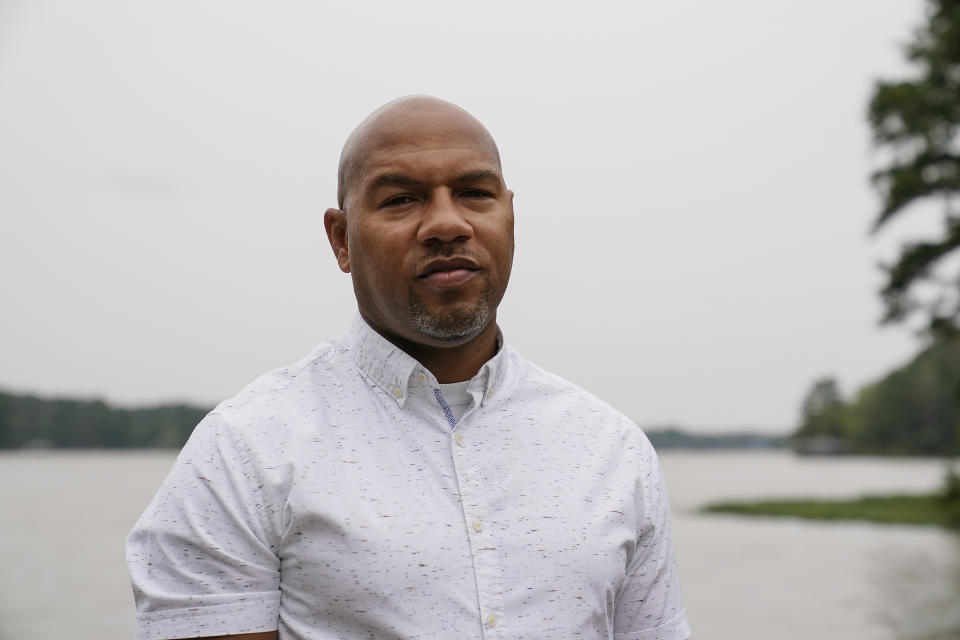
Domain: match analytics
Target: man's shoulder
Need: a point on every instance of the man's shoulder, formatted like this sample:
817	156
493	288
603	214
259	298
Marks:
285	387
551	402
558	389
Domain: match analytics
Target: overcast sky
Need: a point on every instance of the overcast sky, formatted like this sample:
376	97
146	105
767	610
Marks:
691	182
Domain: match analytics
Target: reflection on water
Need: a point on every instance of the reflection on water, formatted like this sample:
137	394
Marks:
792	579
918	588
65	516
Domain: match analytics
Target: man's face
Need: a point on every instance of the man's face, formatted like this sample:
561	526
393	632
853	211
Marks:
429	230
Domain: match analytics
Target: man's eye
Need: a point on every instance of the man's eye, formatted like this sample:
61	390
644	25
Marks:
476	193
397	201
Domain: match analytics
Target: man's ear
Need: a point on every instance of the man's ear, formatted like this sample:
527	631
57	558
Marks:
335	222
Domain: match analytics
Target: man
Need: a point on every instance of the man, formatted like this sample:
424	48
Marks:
415	478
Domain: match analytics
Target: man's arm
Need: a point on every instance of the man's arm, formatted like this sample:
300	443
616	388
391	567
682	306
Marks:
262	635
202	560
649	603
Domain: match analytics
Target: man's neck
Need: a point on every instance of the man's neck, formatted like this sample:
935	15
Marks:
455	363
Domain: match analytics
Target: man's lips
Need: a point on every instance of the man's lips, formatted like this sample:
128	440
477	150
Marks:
449	272
452	278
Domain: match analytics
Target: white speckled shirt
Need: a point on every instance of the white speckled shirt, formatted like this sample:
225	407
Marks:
341	498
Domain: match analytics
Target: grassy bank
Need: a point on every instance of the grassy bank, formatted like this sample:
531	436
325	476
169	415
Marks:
902	509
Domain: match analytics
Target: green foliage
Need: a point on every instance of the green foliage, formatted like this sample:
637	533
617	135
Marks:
29	421
950	498
905	509
913	410
942	509
823	410
917	120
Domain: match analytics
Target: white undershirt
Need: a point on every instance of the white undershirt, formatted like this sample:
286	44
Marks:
457	396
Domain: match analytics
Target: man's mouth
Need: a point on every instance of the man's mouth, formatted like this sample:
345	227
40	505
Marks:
449	272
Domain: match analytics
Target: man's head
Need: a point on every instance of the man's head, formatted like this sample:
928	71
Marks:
425	222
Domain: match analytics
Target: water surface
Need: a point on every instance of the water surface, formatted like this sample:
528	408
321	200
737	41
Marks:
65	517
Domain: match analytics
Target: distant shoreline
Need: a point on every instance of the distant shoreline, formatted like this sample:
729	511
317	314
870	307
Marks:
680	438
34	423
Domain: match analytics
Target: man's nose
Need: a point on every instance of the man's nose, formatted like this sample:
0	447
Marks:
444	221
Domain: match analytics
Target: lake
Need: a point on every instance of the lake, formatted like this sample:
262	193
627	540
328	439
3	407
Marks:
65	517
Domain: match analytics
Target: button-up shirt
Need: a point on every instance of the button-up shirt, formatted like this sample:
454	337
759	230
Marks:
341	497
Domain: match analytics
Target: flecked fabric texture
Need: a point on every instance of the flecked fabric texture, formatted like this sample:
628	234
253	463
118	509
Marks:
337	499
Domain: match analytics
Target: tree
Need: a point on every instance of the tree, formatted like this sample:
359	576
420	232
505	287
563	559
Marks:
916	122
912	410
823	411
68	423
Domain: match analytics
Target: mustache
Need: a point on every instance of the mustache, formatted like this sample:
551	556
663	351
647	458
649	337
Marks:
446	253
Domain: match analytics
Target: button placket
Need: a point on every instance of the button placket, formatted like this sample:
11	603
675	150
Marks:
483	548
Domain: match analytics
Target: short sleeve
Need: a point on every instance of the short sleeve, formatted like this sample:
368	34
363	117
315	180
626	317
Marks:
200	560
649	606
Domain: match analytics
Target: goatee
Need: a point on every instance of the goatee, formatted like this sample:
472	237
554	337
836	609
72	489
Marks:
457	323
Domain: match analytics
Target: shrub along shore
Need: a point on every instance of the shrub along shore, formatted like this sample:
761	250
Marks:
941	508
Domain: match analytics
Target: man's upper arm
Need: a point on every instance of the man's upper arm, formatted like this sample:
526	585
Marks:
201	559
649	604
265	635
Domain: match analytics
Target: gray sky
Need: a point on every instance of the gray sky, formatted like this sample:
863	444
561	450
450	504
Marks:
691	189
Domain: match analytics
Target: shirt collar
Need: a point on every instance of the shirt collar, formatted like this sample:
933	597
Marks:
393	370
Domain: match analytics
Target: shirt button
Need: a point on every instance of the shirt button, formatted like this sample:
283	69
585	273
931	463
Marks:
459	439
397	392
491	620
478	526
422	377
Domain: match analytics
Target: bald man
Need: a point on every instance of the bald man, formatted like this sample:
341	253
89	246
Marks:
416	477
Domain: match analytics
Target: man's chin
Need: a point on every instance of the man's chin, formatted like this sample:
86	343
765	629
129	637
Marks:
453	326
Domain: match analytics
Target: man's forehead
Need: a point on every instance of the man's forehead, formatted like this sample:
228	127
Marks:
442	163
413	126
404	144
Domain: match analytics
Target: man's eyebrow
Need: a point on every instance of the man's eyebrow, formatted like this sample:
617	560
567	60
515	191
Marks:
388	179
403	180
478	176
